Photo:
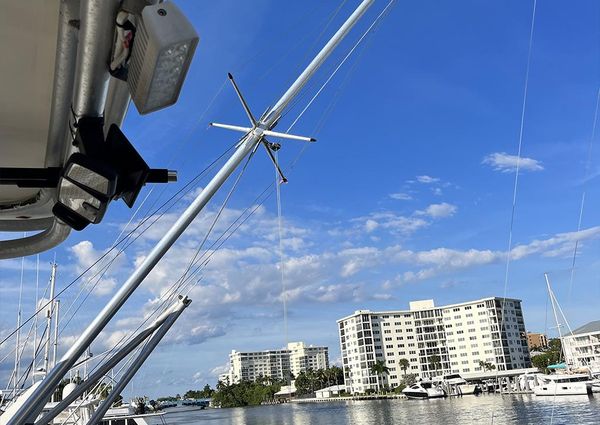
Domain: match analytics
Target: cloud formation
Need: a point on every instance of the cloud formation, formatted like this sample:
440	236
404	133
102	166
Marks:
439	210
400	196
427	179
505	163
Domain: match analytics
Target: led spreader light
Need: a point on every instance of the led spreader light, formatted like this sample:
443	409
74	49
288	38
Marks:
164	46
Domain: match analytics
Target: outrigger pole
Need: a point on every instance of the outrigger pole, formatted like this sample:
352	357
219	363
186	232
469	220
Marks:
32	407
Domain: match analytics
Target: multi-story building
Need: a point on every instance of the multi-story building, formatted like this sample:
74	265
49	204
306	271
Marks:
535	340
275	364
456	338
582	348
304	357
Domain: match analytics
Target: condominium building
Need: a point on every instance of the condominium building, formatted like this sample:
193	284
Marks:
535	340
275	364
582	348
435	340
304	357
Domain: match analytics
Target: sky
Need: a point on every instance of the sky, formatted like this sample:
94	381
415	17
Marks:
406	195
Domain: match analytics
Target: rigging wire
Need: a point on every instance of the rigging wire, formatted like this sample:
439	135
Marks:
278	182
581	207
383	13
168	298
175	156
35	322
516	181
177	196
131	240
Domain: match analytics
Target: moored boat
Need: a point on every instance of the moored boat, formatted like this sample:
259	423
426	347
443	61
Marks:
456	385
563	384
424	389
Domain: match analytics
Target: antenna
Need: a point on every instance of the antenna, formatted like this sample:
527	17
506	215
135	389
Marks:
260	131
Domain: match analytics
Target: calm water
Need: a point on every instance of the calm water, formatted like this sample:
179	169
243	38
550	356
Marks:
485	409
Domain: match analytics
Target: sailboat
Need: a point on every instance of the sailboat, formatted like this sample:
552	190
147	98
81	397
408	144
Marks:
568	382
32	406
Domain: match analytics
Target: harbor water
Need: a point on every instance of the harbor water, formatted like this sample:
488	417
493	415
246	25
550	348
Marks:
482	410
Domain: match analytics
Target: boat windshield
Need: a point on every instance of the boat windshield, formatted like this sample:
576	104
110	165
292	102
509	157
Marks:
426	385
454	376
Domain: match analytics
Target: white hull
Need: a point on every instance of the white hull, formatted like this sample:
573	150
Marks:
567	388
463	389
422	391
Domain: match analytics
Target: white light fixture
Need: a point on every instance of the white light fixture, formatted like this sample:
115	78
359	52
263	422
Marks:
163	49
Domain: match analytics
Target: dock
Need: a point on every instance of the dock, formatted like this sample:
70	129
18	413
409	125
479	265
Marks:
349	398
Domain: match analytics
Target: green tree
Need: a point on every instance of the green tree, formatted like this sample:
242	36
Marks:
303	384
379	368
410	379
434	362
404	365
245	393
486	366
552	355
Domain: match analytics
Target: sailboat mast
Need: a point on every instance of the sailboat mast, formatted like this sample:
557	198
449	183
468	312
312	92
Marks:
553	302
17	369
35	321
40	395
49	317
55	344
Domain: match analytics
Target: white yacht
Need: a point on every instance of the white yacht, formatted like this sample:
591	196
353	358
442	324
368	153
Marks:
563	384
456	385
424	389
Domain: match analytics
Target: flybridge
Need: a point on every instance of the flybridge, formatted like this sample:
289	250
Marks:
36	399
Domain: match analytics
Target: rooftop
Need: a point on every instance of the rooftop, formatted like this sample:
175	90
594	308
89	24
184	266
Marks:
588	328
424	305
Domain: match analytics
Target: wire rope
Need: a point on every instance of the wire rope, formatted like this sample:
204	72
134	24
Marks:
582	203
516	183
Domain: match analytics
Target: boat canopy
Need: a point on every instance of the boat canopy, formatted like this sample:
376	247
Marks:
558	366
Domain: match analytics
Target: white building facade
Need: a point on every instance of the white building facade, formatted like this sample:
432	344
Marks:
435	341
275	364
582	348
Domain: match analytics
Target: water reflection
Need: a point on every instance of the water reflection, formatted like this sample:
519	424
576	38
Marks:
485	409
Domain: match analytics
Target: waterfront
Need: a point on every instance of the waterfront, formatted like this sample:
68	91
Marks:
486	409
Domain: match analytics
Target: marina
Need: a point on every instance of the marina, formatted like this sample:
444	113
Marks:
381	286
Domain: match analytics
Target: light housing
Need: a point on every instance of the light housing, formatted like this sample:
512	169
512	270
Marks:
163	49
84	191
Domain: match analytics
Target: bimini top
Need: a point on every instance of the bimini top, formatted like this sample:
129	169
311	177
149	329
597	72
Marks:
68	74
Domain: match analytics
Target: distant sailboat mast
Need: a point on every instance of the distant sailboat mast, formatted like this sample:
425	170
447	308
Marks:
49	312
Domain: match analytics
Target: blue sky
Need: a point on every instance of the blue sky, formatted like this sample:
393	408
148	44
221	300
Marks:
406	195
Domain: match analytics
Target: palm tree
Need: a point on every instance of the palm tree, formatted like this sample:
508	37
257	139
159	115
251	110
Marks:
486	365
379	368
434	362
404	364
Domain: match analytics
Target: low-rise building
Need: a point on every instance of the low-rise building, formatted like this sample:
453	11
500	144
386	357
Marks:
582	348
275	364
536	340
431	341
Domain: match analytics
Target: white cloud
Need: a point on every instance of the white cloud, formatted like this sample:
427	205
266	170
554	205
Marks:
439	210
400	196
100	278
371	225
501	161
427	179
